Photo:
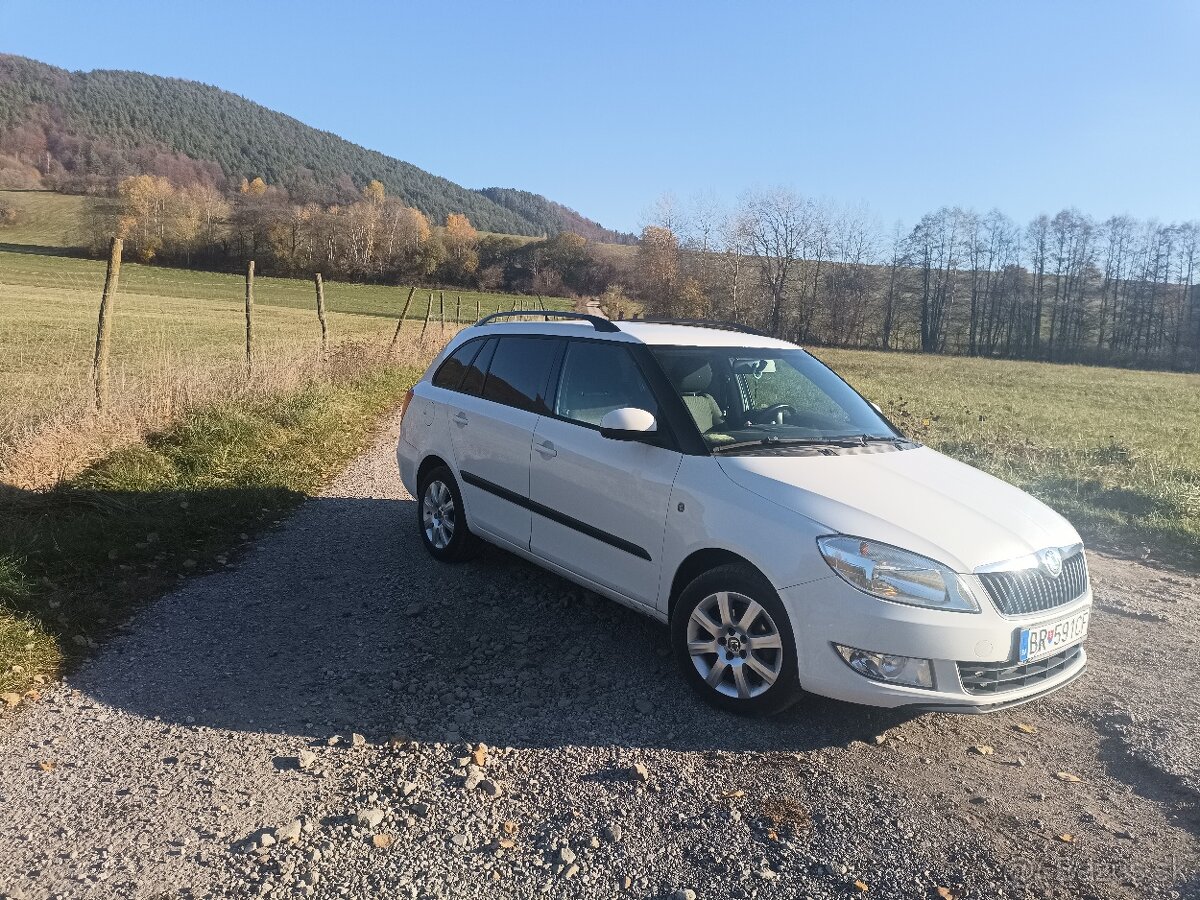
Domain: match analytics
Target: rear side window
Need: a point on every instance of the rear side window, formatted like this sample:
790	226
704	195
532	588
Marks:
520	371
450	373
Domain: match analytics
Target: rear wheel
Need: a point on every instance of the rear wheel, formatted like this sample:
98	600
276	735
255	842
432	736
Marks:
733	641
441	519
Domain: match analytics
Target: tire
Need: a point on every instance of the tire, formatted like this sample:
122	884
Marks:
441	519
758	675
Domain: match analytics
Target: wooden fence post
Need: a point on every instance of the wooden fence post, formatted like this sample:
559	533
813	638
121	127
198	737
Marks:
442	310
428	311
249	318
478	316
112	276
458	309
403	315
321	314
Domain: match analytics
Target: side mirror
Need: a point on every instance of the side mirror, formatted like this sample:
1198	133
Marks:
628	423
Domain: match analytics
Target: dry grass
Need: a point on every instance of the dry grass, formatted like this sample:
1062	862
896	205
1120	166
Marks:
169	355
77	559
1114	450
46	219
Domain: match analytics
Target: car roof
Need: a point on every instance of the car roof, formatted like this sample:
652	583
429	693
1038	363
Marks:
633	331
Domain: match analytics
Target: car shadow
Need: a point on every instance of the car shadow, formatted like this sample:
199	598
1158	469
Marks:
338	621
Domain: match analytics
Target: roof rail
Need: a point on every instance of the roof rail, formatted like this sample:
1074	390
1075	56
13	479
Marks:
703	323
598	322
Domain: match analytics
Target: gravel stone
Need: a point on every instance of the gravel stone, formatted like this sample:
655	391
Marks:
369	818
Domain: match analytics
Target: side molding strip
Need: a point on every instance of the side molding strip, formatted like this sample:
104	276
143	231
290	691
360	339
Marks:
555	516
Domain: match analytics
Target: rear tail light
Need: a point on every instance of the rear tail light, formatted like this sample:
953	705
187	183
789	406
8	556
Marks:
408	395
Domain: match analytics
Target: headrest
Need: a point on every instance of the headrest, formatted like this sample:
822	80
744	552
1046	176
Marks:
691	375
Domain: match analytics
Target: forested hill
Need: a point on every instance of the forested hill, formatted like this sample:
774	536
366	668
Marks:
536	208
83	130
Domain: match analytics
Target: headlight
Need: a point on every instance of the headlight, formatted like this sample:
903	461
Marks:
894	574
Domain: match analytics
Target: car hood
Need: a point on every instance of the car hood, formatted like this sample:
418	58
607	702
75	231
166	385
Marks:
916	499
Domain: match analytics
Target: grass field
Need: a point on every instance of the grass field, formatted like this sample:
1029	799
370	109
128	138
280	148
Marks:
177	338
46	219
83	278
1114	450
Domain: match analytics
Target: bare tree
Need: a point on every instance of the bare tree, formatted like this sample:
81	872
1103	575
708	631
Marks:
735	235
935	243
780	222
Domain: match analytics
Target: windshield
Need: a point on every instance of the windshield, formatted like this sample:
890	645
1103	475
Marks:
741	394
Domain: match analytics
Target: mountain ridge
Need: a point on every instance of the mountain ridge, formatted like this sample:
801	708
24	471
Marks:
86	129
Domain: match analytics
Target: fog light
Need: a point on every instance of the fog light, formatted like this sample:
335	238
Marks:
888	667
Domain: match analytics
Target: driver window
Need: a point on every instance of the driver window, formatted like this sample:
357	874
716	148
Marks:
598	378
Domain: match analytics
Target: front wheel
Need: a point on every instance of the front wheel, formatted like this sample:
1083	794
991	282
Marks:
441	519
733	641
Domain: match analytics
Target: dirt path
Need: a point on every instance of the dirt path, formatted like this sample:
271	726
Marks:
156	770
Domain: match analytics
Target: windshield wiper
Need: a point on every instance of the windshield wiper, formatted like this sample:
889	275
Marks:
881	438
794	442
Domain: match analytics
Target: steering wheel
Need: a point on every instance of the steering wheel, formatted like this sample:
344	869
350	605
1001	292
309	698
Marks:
775	413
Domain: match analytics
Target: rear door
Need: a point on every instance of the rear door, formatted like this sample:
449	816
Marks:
600	505
492	418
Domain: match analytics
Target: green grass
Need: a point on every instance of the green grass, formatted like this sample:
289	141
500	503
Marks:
20	269
46	219
1113	450
77	560
176	332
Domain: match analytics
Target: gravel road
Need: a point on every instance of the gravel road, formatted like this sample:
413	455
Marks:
308	721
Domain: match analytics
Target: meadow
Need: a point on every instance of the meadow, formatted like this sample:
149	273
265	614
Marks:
177	341
47	219
1116	451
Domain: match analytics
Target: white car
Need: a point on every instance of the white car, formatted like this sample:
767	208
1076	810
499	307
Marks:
734	487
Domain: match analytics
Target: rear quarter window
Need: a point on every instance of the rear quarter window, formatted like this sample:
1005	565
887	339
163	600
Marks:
450	373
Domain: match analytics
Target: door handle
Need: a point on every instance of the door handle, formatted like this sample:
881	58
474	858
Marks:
460	419
546	449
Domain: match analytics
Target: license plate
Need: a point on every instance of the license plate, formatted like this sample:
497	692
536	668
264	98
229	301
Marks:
1046	640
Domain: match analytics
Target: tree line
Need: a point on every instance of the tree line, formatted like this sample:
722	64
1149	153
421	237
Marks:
1066	287
373	238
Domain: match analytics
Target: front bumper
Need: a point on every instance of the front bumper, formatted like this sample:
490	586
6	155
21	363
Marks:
829	611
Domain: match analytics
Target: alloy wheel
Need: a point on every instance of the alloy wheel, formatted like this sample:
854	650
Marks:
438	515
735	645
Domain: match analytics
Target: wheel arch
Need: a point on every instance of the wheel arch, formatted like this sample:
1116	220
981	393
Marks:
432	461
697	563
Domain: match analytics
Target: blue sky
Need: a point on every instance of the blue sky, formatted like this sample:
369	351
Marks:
1027	106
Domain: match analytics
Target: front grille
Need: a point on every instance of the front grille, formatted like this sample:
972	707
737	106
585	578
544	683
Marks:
987	678
1032	590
